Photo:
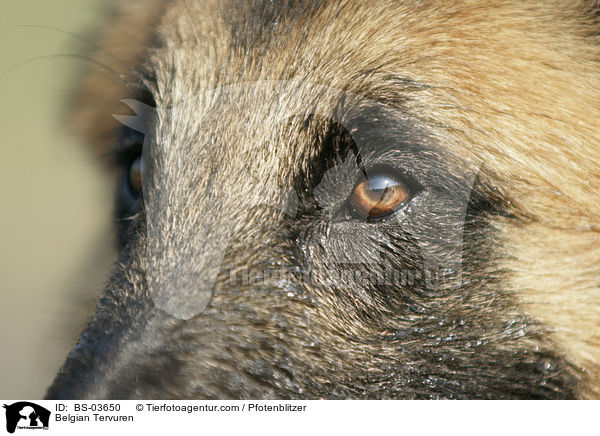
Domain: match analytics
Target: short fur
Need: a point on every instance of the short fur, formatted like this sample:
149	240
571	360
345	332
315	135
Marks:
502	97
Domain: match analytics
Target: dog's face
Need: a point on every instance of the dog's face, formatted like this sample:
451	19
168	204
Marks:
329	199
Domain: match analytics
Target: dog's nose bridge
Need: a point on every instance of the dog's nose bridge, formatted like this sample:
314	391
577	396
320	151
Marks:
182	269
185	246
190	230
199	190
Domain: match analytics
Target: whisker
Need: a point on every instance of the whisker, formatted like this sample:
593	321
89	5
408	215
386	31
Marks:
101	65
141	77
73	35
128	218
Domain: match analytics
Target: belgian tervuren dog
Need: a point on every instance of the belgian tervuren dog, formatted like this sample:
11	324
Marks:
347	199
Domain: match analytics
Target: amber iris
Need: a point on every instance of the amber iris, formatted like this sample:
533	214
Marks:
135	175
379	196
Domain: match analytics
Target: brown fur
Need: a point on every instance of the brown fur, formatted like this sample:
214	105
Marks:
511	86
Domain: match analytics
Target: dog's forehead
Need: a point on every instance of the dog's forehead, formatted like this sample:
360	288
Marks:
245	24
241	80
219	106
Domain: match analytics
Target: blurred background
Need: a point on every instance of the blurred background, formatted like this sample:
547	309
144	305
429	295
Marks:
56	199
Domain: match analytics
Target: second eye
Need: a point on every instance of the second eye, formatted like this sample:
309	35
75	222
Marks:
136	175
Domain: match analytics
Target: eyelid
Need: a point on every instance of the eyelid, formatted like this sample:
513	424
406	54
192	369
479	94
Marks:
128	147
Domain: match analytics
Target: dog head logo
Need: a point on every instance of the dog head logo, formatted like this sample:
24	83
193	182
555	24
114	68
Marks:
26	415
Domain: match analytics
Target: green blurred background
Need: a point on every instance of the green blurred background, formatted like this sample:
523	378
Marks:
56	201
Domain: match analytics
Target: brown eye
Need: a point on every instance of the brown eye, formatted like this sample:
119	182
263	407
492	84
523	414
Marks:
135	175
379	196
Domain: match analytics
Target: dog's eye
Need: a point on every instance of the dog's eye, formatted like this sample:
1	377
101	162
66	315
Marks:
136	174
379	196
129	158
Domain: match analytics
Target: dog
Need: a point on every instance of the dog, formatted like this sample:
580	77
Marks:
391	199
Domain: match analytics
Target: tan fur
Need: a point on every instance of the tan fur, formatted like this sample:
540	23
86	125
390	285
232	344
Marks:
120	51
514	86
